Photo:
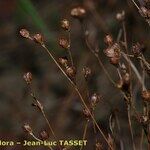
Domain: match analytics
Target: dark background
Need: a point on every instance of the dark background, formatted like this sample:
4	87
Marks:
62	104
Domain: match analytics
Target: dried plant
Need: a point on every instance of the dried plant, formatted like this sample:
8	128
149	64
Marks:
120	55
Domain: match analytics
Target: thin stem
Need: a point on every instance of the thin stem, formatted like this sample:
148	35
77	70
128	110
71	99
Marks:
79	94
134	69
69	49
130	88
119	128
141	140
43	113
50	127
34	137
84	133
100	62
130	125
136	4
48	123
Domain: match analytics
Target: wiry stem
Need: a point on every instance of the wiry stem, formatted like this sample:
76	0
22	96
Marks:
69	49
100	62
79	94
134	69
84	133
130	87
34	137
136	4
43	113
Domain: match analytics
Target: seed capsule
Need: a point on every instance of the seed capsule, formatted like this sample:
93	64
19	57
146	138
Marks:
27	128
86	113
38	38
146	95
120	16
64	43
71	71
28	77
114	60
63	61
137	49
44	135
113	51
95	98
87	72
24	33
108	40
78	12
65	24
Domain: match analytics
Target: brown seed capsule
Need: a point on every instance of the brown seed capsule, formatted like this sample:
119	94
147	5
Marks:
71	71
113	51
144	120
108	40
38	38
63	42
27	128
65	24
114	60
44	135
78	12
95	98
87	72
120	16
63	61
137	49
124	82
146	95
86	113
126	79
28	77
120	84
24	33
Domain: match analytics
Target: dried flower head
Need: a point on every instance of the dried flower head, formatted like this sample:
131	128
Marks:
27	128
71	71
108	40
24	33
120	16
94	99
28	77
78	12
63	61
87	72
65	24
38	38
113	51
64	43
126	78
114	60
144	120
137	49
120	84
86	113
146	95
44	135
124	82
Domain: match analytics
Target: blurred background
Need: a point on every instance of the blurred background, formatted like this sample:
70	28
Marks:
62	104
